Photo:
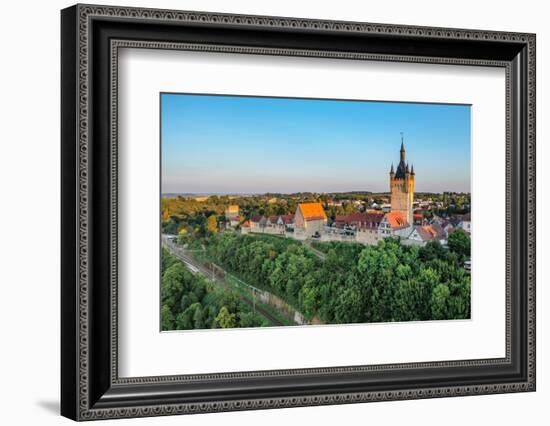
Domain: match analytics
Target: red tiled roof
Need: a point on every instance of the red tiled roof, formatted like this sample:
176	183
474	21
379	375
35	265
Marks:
287	218
360	220
430	232
396	220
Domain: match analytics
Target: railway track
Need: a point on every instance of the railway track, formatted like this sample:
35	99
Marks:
196	267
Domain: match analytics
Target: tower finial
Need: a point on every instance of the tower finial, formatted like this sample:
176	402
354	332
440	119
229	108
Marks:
402	151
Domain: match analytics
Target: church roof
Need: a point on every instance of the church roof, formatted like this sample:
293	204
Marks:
401	170
402	167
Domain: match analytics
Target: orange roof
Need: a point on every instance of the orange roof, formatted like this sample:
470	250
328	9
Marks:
246	224
396	220
430	232
232	209
312	211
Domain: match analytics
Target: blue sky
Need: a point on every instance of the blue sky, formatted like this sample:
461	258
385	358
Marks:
233	144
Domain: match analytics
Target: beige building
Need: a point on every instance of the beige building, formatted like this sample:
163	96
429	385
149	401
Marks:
394	224
364	226
402	188
426	233
232	210
232	215
368	234
310	219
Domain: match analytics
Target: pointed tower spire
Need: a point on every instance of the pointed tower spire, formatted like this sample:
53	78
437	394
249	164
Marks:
402	148
407	168
412	169
391	170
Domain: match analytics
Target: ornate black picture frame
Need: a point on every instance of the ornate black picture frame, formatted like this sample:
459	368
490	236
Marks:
90	38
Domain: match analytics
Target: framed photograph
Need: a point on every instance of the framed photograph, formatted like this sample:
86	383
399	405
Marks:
263	212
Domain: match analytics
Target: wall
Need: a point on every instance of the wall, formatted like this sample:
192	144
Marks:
29	213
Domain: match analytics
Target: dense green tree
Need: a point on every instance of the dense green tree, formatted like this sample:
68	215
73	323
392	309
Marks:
166	260
250	319
167	318
184	320
171	226
352	283
198	320
200	302
212	224
173	284
459	242
309	298
440	302
432	250
225	319
349	307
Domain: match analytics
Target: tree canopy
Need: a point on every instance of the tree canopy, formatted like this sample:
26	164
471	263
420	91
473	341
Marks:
190	301
354	283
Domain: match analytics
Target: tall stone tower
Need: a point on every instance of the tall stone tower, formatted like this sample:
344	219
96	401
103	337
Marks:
402	187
